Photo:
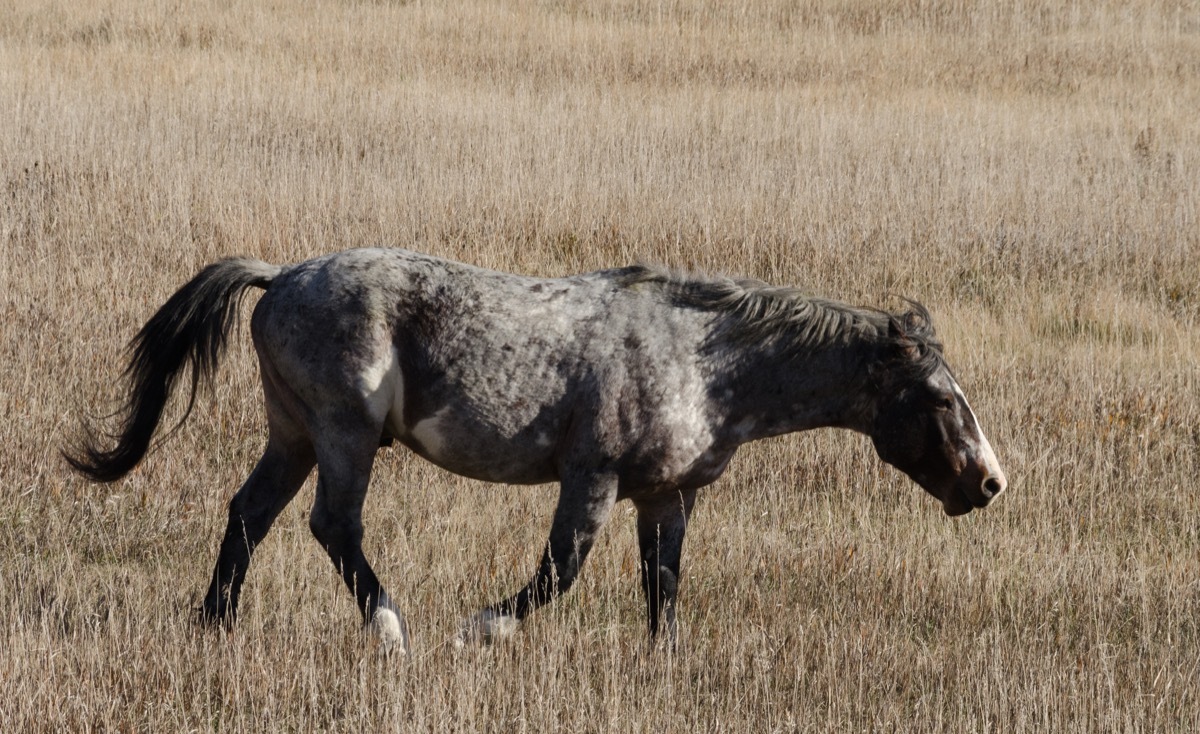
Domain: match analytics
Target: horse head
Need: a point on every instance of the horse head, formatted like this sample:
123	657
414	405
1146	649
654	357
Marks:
923	424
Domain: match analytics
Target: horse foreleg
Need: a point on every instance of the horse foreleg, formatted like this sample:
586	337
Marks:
343	472
661	525
274	482
584	505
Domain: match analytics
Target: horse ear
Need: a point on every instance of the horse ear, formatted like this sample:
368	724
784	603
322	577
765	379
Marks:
909	351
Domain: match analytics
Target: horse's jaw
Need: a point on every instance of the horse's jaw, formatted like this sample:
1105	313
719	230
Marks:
956	505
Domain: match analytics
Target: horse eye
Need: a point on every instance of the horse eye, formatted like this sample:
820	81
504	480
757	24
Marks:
945	403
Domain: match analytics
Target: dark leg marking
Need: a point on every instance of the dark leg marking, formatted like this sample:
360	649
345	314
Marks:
343	472
584	505
661	528
274	482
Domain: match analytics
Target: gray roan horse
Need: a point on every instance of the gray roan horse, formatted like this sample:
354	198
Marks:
632	383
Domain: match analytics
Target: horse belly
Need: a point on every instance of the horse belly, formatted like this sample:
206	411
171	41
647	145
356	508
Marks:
473	449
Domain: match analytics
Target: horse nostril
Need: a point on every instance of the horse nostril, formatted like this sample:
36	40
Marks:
992	486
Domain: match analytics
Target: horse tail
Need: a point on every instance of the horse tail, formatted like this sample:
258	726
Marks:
190	329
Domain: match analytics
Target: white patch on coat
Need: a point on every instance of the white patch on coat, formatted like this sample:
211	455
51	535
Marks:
682	414
383	385
431	434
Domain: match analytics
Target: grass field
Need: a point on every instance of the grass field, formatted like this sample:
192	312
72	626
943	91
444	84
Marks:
1028	170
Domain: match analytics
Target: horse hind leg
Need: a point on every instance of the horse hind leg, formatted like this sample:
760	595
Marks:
285	464
344	460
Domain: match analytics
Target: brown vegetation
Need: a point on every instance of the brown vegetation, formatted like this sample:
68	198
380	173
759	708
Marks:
1028	170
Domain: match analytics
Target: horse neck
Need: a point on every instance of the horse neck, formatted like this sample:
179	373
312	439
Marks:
771	391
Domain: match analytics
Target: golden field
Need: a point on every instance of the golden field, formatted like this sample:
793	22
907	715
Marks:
1030	171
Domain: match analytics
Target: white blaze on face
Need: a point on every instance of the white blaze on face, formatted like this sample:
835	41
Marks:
981	449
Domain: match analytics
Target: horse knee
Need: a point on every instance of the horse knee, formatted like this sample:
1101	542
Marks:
660	583
333	531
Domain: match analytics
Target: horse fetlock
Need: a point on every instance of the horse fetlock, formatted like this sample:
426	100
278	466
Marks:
661	578
220	604
485	628
219	617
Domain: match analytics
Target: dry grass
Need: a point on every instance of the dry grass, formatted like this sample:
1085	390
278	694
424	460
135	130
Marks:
1029	170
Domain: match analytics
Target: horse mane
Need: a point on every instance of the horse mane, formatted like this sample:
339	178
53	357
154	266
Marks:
754	312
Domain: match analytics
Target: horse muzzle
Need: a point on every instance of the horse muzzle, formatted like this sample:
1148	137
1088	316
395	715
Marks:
962	498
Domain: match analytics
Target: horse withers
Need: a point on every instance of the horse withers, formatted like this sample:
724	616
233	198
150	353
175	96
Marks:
633	383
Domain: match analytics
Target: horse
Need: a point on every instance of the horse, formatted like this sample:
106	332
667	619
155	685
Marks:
635	383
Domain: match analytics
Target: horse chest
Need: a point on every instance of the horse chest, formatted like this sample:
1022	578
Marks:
657	471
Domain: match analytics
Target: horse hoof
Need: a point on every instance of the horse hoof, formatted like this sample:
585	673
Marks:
485	628
391	631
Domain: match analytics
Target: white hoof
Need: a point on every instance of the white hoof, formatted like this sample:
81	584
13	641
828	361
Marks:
485	628
389	629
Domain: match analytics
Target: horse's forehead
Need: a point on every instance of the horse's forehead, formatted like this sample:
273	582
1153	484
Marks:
941	378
